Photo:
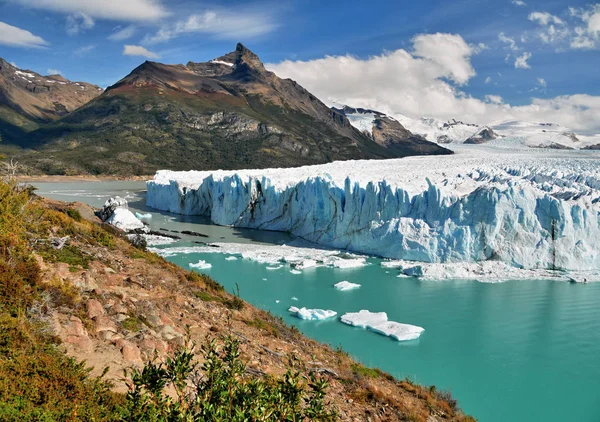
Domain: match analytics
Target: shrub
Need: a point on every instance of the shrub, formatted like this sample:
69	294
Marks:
221	390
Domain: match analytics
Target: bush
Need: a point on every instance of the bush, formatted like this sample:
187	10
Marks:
221	390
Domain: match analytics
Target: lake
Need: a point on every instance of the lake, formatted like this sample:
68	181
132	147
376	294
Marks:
518	350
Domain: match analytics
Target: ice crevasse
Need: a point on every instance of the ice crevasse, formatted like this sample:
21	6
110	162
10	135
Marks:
533	212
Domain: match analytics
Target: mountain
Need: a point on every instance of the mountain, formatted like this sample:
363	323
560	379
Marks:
512	133
388	132
228	113
28	99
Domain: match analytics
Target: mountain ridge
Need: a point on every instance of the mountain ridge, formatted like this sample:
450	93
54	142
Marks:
229	112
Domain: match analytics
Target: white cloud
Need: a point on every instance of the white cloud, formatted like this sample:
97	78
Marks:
519	3
83	50
488	79
53	72
542	82
399	82
126	10
521	61
122	34
218	23
78	22
17	37
545	18
587	34
553	29
508	40
449	52
494	99
138	50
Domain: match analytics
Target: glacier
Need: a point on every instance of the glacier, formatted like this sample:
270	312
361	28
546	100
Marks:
538	210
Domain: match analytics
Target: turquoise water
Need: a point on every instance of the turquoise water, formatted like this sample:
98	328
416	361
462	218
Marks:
514	351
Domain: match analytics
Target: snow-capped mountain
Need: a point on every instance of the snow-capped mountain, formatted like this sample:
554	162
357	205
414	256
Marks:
513	133
388	132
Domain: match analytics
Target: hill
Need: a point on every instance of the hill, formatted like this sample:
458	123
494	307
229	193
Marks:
228	113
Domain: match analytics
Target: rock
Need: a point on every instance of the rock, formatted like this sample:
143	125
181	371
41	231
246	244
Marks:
86	282
150	344
105	324
94	308
169	333
110	206
74	327
121	317
129	351
139	241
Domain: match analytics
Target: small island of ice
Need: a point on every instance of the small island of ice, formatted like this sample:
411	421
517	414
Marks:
201	265
378	323
312	314
346	285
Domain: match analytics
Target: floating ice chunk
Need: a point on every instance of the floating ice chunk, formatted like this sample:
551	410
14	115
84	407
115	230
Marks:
294	298
392	264
350	263
264	279
307	263
364	318
275	268
397	331
124	219
295	272
201	265
231	258
146	216
346	285
155	240
312	314
378	323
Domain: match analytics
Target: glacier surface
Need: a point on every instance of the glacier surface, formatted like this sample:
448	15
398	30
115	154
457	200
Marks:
533	211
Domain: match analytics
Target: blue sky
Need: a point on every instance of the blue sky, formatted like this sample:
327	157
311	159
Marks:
510	53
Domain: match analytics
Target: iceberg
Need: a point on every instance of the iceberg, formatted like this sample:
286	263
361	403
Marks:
378	323
312	314
346	285
146	216
125	220
201	265
539	210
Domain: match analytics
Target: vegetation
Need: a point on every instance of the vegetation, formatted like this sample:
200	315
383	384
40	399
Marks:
222	390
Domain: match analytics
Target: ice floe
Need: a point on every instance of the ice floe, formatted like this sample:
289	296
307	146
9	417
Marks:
124	219
201	265
312	314
378	323
346	285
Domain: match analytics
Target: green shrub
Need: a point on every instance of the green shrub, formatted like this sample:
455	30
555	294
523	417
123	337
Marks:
221	390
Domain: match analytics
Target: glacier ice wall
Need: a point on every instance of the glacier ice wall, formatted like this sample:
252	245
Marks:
529	216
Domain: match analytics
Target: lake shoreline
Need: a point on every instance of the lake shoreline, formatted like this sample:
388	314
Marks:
81	178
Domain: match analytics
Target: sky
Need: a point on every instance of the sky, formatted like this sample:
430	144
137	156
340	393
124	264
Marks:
480	61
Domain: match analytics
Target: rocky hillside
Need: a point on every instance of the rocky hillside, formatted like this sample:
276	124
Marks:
226	113
66	278
28	99
389	132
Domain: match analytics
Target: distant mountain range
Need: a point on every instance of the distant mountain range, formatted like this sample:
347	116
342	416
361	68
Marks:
227	113
446	133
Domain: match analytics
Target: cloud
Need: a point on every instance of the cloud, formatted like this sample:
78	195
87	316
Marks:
221	24
17	37
449	52
521	61
137	50
587	34
545	18
488	79
13	64
123	33
78	22
494	99
82	51
508	40
519	3
400	83
53	72
553	29
129	10
542	82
